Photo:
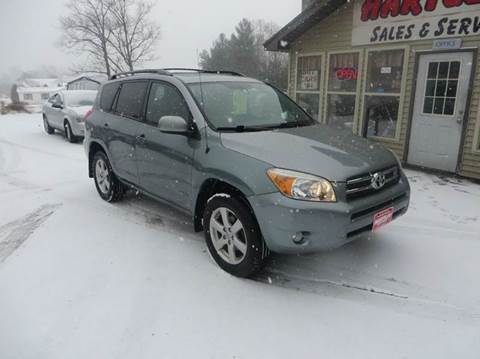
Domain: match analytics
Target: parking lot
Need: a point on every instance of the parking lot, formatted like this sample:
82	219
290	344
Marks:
81	278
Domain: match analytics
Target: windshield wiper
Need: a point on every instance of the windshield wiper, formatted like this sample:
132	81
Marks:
243	128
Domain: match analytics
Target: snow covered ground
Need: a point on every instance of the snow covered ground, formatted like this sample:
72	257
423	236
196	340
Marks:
80	278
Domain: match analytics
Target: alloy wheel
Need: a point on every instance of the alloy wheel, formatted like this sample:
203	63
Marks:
102	175
228	236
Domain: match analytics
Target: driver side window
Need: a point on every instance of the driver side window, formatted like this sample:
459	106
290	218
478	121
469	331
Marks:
165	100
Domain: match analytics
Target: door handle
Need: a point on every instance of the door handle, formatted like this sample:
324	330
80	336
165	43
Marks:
459	120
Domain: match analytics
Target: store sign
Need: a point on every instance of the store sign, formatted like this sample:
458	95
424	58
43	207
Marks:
309	80
346	73
386	21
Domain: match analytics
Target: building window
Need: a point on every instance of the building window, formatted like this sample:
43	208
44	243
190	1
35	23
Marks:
382	93
28	97
309	70
342	89
44	96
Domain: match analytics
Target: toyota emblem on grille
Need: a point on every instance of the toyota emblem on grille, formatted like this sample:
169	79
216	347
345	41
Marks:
378	180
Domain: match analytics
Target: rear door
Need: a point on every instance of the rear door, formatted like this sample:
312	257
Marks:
122	127
165	160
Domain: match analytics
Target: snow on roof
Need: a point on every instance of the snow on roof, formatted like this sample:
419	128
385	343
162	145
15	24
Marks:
87	75
39	82
39	89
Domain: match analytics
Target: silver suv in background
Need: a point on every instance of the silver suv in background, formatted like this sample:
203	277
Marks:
65	111
252	168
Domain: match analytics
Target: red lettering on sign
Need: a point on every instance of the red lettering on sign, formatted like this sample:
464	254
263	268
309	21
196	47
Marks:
411	7
452	3
370	9
390	8
430	5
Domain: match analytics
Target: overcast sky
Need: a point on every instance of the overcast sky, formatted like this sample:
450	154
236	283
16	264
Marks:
29	29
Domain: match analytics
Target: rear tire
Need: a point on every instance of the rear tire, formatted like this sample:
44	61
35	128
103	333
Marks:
46	126
108	185
233	236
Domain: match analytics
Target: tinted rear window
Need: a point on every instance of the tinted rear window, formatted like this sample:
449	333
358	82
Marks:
108	96
130	100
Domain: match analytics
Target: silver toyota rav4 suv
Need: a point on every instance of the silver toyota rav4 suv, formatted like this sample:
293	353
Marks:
253	169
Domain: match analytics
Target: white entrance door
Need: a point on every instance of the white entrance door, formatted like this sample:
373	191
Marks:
442	90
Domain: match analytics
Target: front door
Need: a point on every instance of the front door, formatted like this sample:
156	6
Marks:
165	160
439	110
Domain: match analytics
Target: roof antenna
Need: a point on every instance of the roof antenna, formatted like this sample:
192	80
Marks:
207	148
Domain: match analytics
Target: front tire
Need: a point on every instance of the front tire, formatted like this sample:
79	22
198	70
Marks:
233	236
107	184
68	133
46	126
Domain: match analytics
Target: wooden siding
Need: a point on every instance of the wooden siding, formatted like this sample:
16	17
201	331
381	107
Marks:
334	34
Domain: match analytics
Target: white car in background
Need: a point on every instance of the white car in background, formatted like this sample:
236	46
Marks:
66	110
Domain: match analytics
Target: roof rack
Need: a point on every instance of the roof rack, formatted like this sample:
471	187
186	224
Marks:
218	72
168	72
132	73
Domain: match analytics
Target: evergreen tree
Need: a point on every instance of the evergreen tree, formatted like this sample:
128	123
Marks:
243	52
243	49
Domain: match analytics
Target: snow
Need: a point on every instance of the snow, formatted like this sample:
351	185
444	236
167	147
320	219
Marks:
219	195
80	278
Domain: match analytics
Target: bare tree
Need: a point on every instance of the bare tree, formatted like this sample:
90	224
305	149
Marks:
87	29
112	35
135	36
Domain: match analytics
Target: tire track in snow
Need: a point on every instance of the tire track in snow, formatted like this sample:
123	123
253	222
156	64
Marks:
38	150
15	233
433	308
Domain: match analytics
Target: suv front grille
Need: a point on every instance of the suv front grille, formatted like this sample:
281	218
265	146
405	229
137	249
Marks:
362	186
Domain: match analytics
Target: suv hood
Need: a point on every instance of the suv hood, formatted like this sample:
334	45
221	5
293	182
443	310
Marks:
320	150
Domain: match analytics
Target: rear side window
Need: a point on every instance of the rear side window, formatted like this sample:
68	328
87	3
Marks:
130	100
108	96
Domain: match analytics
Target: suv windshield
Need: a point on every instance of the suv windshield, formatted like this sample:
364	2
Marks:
245	105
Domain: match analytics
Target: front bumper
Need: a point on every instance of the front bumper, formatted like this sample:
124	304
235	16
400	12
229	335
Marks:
323	225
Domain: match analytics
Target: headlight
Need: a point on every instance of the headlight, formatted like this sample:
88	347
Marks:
302	186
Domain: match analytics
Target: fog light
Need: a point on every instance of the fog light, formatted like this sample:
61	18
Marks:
298	238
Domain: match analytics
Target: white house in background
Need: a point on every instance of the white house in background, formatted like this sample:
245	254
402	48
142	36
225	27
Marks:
4	100
86	82
36	95
37	91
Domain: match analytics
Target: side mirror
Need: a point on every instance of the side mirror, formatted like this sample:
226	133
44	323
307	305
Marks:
174	125
57	105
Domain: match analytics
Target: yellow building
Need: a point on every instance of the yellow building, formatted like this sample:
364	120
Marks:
400	72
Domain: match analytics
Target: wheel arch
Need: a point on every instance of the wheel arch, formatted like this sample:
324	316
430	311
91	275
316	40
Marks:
209	188
93	148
